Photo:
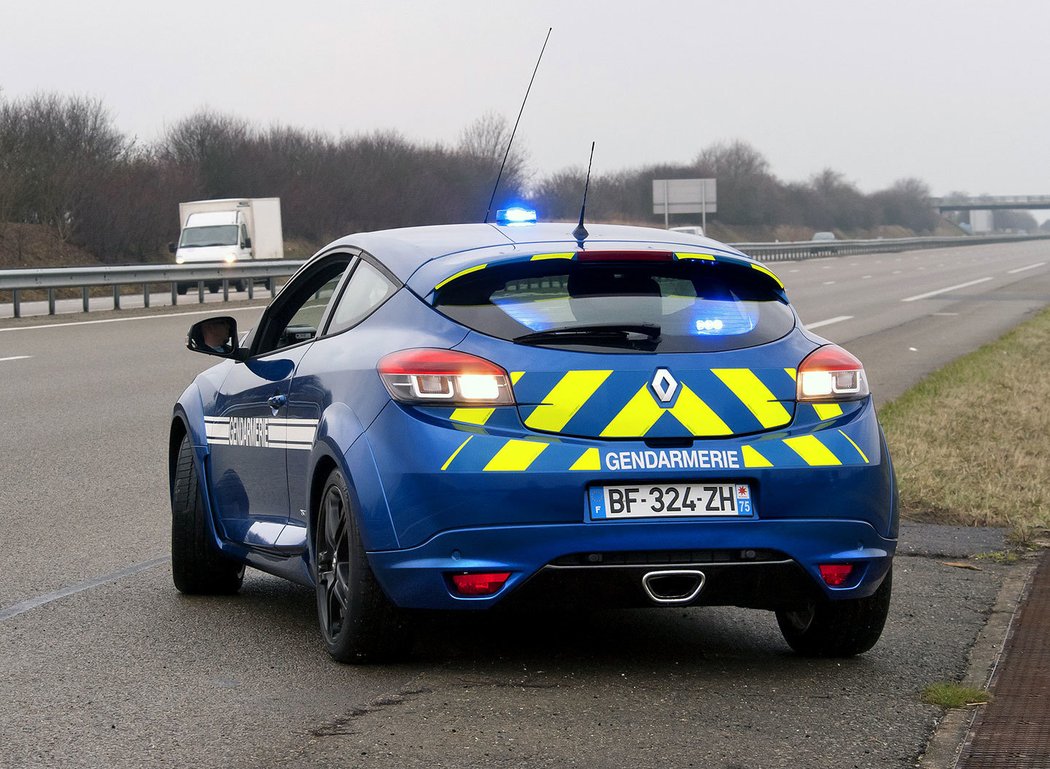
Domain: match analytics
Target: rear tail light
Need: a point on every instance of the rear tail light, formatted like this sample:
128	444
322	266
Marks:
829	373
426	376
835	574
487	583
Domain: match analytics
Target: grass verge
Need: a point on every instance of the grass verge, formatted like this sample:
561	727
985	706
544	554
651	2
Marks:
971	442
951	695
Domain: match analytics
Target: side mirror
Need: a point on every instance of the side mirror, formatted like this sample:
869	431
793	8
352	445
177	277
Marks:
247	242
215	336
172	248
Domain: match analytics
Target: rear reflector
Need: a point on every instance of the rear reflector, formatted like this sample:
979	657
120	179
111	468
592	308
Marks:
835	574
479	584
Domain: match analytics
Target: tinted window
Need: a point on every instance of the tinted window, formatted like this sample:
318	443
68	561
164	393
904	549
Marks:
368	288
682	306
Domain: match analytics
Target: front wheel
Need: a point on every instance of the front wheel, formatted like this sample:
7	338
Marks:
358	622
197	566
837	628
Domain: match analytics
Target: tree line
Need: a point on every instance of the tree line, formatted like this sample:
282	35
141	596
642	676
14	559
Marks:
64	163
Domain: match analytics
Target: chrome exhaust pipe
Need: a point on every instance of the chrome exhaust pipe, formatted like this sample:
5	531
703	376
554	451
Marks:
673	586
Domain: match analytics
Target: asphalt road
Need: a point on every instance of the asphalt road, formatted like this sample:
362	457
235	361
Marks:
102	663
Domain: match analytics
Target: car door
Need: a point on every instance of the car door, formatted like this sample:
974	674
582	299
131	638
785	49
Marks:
249	474
332	359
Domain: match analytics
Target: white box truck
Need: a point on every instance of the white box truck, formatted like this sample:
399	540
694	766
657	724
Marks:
228	231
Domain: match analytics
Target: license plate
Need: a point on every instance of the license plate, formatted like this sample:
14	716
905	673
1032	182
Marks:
660	500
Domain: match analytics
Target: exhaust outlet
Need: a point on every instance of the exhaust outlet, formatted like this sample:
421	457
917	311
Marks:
673	586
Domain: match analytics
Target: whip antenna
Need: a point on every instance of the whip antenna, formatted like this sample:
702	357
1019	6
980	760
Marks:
510	142
580	233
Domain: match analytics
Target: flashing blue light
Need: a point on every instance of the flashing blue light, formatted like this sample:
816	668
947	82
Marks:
515	215
724	318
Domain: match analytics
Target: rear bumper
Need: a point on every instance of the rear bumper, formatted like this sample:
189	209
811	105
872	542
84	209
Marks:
754	563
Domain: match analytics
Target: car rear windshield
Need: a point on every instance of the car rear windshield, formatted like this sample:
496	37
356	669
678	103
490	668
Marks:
679	306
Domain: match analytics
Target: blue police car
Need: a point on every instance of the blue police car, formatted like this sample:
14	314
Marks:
466	416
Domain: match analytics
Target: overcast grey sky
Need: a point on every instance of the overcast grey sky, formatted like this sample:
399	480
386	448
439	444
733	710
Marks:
949	92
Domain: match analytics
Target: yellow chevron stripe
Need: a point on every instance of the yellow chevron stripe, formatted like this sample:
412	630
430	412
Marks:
755	395
812	451
454	453
565	399
472	416
697	416
636	418
515	376
515	456
754	459
827	410
767	271
460	274
589	460
709	257
543	257
862	454
793	373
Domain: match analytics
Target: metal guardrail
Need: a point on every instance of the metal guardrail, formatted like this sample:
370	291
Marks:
809	249
219	276
222	275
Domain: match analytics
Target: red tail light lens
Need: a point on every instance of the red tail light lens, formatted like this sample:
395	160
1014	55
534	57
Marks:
480	584
426	376
829	373
624	256
835	574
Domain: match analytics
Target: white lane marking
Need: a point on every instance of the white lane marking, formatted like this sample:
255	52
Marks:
1022	269
134	317
829	283
23	606
16	357
928	294
865	277
945	314
829	321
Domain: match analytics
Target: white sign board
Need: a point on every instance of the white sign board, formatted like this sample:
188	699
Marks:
684	196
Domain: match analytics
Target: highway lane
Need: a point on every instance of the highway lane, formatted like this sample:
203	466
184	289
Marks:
130	673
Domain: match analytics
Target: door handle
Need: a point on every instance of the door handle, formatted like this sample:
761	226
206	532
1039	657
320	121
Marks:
276	401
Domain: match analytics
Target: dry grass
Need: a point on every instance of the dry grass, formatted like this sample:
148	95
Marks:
951	695
971	443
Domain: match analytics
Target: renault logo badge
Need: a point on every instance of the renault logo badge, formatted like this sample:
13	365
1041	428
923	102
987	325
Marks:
664	385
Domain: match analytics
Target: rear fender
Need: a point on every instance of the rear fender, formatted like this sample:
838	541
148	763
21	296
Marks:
339	444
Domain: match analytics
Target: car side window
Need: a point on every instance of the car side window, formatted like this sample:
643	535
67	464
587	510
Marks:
366	290
297	316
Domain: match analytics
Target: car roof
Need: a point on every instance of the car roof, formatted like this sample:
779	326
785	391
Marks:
424	256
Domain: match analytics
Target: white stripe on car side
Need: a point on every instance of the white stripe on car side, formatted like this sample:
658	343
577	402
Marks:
261	432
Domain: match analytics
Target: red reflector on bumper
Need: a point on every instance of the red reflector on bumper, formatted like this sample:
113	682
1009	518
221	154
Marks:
479	584
835	574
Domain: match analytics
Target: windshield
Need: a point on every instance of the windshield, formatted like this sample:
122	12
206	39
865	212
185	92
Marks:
216	235
681	306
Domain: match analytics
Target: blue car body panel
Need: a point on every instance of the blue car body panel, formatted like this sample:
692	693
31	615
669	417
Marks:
511	488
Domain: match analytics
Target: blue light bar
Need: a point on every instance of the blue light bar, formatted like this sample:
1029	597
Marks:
515	215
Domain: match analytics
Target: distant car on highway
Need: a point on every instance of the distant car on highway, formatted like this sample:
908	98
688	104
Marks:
826	241
695	229
470	416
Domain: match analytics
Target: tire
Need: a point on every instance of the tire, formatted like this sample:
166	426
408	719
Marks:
358	622
197	566
213	288
181	288
837	628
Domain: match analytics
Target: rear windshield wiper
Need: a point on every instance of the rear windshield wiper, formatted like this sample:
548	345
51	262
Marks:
602	333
